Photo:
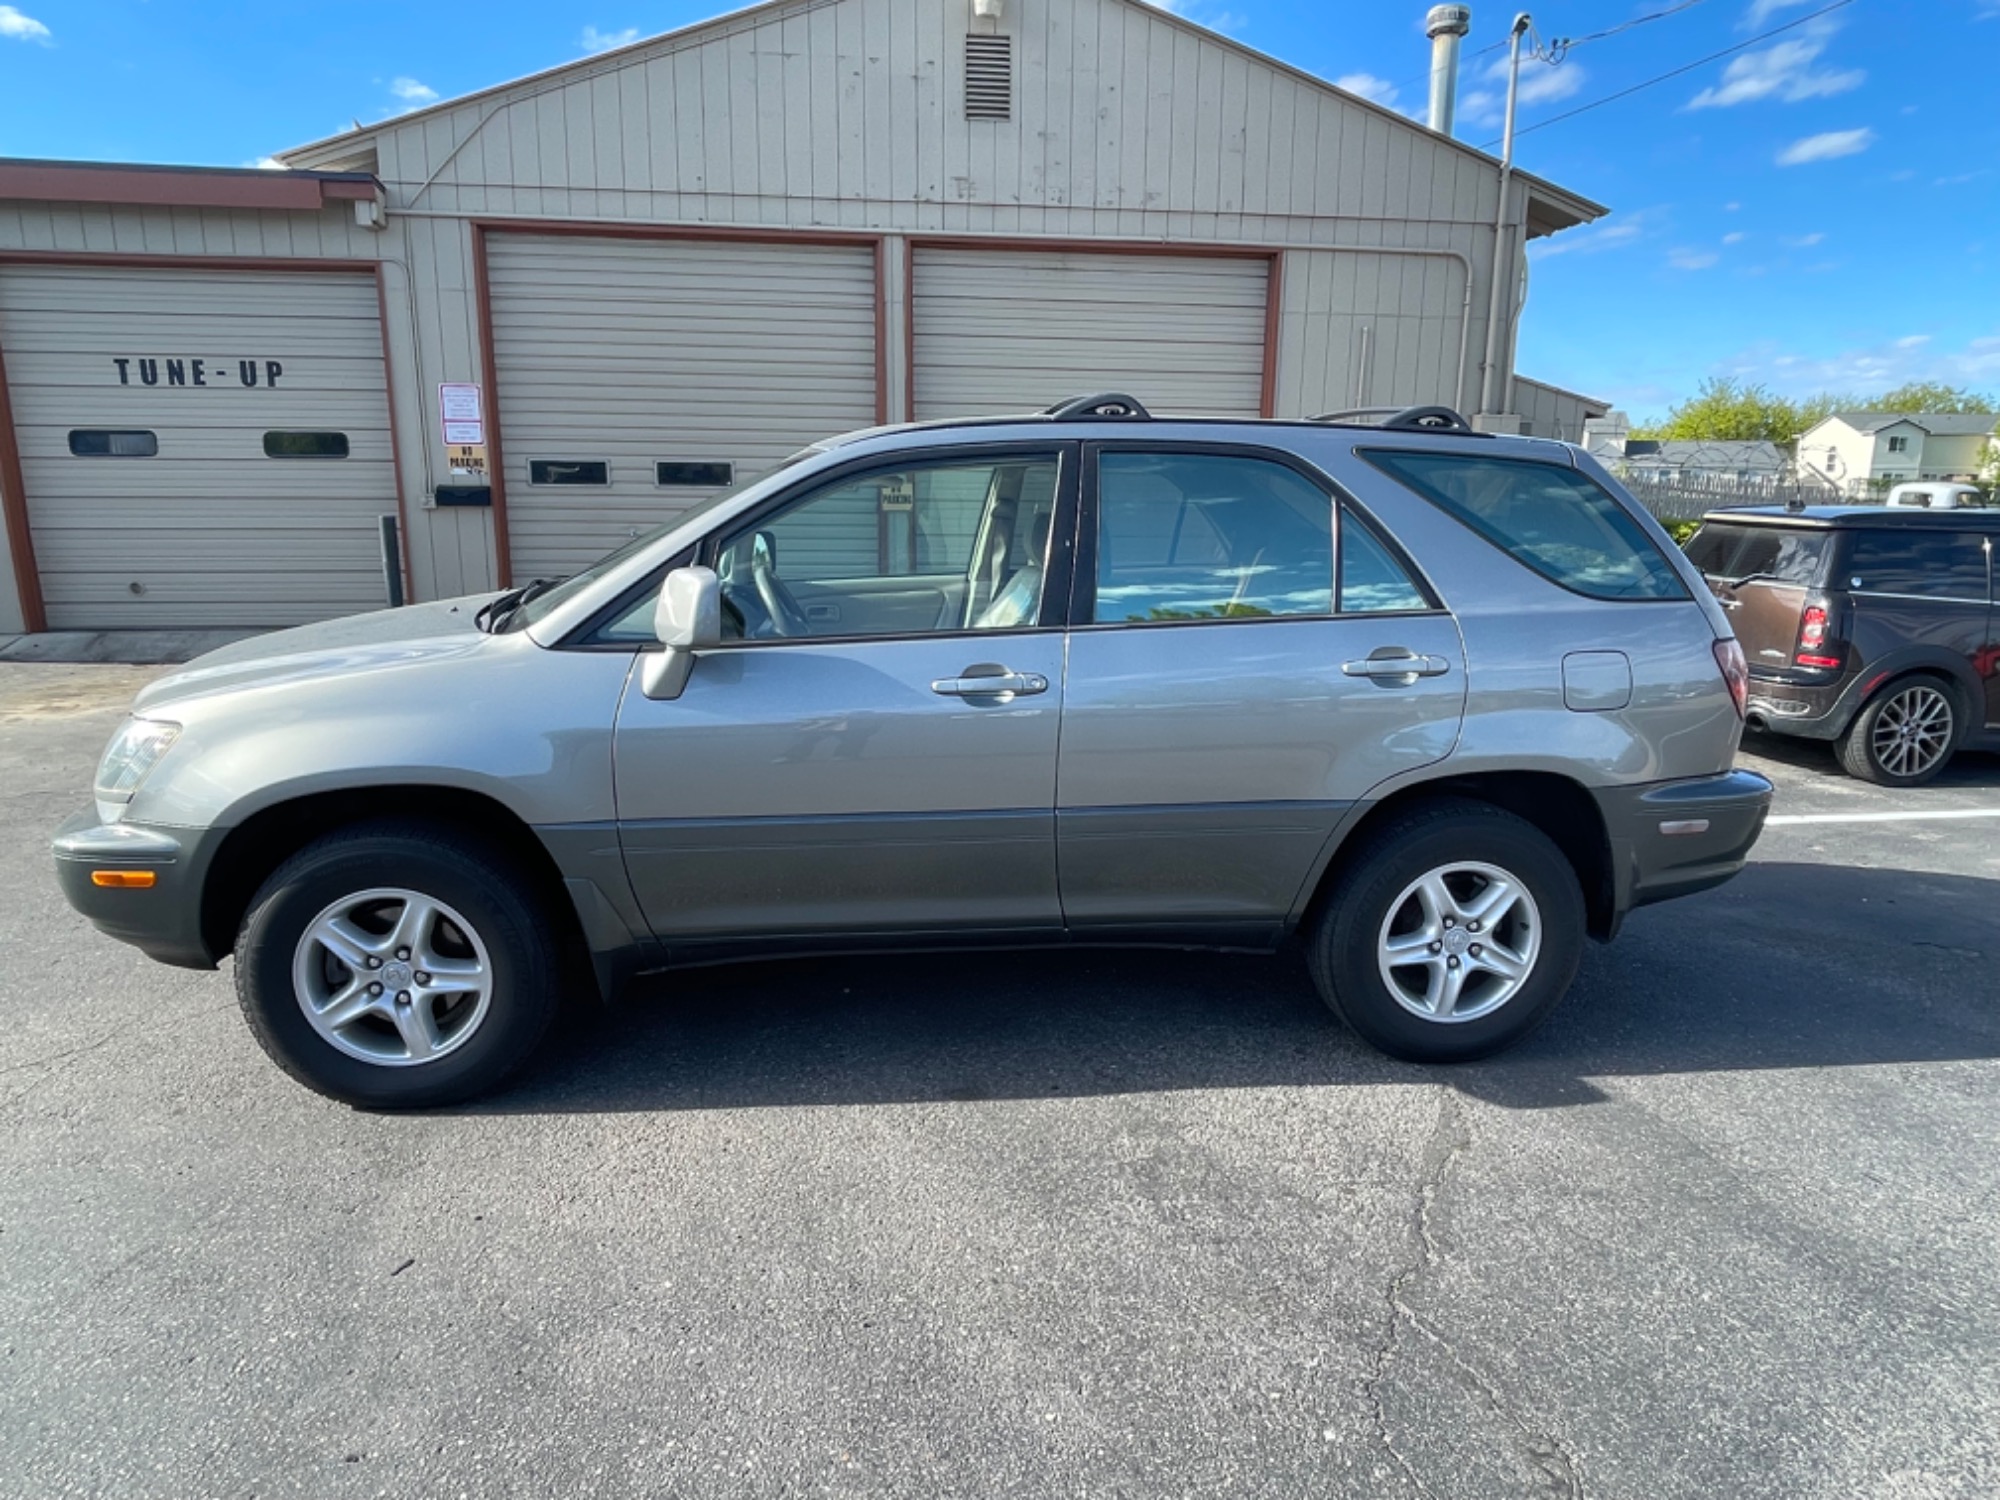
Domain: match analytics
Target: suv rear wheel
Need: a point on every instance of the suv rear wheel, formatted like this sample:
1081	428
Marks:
1903	735
1452	933
394	966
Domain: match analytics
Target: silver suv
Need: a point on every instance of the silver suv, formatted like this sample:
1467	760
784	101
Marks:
1441	703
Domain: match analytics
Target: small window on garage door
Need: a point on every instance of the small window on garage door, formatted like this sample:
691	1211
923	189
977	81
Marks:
97	442
305	445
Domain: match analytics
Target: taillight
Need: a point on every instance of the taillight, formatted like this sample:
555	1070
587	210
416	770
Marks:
1812	639
1735	672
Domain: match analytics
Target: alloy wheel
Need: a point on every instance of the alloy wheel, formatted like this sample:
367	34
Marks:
1459	942
393	977
1912	732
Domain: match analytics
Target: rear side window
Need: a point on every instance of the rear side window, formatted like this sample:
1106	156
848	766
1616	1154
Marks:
1547	516
1735	552
1933	564
1205	536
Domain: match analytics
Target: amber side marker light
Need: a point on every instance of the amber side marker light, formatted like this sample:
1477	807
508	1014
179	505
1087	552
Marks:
125	880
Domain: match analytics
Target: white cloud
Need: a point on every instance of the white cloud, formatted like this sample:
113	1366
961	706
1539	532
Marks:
19	28
1785	71
1734	237
411	92
1368	86
1540	84
1687	258
1879	367
1826	146
594	40
268	164
1913	340
1615	234
1730	208
1805	241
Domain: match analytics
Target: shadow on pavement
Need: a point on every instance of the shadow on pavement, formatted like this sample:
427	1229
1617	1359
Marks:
1790	966
1974	770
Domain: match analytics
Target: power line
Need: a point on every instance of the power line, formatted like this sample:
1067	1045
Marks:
1562	44
1584	109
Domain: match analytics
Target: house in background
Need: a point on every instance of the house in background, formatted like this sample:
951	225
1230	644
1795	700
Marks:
1608	439
1858	451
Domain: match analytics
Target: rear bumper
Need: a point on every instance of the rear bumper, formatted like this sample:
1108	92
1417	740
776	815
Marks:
163	921
1817	711
1674	838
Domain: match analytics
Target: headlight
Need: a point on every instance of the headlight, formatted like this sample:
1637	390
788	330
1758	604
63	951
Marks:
132	753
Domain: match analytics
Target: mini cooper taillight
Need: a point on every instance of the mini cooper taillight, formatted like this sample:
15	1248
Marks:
1812	650
1735	672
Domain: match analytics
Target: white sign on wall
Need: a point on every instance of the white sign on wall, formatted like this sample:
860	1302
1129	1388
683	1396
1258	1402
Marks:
458	409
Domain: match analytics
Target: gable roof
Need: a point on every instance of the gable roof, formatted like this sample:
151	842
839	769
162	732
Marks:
1550	208
1934	423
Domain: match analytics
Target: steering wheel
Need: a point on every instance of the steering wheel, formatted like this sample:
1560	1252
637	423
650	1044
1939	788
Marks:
786	616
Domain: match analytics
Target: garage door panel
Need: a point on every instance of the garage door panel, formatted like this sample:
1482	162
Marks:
1013	330
635	351
211	530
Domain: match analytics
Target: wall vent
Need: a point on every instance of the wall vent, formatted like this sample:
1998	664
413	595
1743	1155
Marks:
989	78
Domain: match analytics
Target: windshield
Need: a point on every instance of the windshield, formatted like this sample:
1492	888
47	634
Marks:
541	603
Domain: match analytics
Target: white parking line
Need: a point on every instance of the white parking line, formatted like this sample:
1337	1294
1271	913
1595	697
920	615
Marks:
1786	820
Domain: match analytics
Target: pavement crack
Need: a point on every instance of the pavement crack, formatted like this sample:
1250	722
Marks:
1549	1466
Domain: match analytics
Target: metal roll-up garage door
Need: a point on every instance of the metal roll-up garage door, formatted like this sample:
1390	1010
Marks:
1014	330
144	402
615	356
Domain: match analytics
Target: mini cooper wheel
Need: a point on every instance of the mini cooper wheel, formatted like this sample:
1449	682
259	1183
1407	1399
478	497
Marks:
1451	933
391	967
1904	735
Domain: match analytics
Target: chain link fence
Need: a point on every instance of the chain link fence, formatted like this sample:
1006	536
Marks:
1688	496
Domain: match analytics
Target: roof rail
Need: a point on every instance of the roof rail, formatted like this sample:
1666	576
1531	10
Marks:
1109	404
1399	418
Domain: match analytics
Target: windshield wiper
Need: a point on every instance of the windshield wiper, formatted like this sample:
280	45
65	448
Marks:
494	614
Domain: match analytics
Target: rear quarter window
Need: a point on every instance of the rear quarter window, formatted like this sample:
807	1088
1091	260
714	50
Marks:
1549	517
1918	562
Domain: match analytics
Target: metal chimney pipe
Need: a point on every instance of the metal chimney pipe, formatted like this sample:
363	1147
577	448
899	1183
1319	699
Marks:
1444	26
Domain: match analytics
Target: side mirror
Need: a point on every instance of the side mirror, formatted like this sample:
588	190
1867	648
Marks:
687	619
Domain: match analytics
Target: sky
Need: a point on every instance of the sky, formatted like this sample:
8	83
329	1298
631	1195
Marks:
1819	210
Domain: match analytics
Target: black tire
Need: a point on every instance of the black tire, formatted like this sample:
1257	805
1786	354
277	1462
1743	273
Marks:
1859	748
476	882
1342	946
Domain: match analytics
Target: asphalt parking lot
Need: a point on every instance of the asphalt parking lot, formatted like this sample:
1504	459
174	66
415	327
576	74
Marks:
1070	1224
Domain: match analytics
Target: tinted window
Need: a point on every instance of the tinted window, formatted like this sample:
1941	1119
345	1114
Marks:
1550	517
1187	536
674	473
568	471
1371	580
305	445
1940	564
96	443
1722	550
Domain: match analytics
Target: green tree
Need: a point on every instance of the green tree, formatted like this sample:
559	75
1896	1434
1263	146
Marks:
1930	395
1726	409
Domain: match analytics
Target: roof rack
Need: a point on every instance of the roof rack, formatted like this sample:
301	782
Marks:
1108	404
1399	418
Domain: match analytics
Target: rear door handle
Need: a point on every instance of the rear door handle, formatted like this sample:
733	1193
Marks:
997	685
1393	664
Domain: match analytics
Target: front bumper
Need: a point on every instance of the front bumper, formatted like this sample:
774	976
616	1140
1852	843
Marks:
162	921
1674	838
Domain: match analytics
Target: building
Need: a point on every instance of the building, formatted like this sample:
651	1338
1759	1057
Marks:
1861	451
530	321
1550	411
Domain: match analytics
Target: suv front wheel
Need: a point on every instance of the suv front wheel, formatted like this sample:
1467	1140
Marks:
395	966
1454	930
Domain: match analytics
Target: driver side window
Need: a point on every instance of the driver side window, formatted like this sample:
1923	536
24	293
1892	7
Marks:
915	550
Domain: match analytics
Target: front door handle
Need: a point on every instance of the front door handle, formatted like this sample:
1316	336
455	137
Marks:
1396	664
980	683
